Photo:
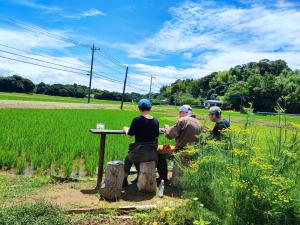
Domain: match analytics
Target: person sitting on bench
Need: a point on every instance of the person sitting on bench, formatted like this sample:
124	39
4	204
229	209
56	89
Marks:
145	130
185	131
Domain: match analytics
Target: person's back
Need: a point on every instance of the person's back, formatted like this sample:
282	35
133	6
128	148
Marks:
185	131
144	129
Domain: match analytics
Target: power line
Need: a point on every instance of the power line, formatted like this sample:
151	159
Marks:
117	81
49	67
108	74
39	30
111	68
47	57
55	68
62	38
111	62
110	58
40	60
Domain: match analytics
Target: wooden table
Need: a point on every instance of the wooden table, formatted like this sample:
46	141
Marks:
103	134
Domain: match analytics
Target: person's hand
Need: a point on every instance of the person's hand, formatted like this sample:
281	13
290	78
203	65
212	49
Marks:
162	130
126	130
205	129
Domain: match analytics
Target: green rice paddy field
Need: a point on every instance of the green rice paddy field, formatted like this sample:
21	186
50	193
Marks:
59	141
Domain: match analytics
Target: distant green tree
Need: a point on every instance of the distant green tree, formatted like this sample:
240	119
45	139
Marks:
42	88
265	83
16	83
237	95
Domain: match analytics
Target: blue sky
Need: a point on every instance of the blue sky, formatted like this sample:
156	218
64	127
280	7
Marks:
168	39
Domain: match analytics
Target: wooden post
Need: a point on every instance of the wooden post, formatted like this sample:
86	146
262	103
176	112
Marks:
147	177
101	160
111	187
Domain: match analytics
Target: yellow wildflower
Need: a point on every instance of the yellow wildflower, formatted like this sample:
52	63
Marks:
238	152
168	209
260	163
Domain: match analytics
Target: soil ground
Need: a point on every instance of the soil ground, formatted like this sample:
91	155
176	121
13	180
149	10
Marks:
81	195
52	105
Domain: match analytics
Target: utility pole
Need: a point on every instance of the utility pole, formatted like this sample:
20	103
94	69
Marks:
151	86
91	71
125	80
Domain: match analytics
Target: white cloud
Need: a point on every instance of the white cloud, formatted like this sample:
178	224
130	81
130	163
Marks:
141	73
50	76
88	13
188	55
93	12
58	11
30	42
219	37
33	4
206	36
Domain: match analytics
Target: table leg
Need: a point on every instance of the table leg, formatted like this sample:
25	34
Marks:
101	160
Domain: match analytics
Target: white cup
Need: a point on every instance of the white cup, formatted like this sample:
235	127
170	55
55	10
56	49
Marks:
100	126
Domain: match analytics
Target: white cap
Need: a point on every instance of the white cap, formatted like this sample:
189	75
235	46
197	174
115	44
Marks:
187	109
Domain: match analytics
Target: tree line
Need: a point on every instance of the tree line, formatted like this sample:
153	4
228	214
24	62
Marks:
263	85
19	84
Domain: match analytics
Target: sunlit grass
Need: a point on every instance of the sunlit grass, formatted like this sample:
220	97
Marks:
60	139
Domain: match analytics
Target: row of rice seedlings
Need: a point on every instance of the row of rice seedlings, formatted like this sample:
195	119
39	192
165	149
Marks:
56	138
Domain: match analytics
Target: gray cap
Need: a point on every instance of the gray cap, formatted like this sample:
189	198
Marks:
215	110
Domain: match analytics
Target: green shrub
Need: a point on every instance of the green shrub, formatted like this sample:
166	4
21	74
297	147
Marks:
244	183
192	212
39	213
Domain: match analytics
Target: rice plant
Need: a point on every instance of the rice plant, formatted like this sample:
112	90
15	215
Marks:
60	139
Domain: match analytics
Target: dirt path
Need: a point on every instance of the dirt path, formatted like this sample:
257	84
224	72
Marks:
81	195
52	105
74	196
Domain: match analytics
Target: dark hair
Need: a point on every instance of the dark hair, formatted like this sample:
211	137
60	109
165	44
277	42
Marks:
145	108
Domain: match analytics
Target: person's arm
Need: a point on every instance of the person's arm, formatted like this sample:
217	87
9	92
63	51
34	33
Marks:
130	131
157	130
173	132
